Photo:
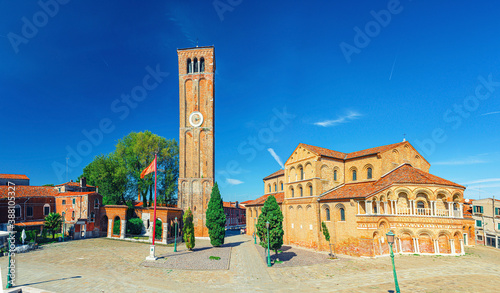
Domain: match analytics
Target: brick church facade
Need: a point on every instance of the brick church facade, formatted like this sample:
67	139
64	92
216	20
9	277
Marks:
363	195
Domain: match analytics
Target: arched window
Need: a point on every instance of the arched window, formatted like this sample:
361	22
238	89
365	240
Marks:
342	214
92	217
334	175
275	187
369	173
327	213
29	211
301	194
46	209
17	211
292	192
73	214
301	174
269	187
354	175
96	203
420	205
310	190
281	186
189	66
202	64
196	65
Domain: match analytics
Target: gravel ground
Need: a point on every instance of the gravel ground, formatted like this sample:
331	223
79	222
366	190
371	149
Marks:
292	256
197	259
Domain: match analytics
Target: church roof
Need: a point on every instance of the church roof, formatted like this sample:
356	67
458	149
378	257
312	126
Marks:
278	173
324	152
404	174
346	156
260	201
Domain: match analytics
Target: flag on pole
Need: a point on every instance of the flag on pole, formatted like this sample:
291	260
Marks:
151	168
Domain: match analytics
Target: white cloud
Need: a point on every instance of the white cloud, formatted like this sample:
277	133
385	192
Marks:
234	181
480	181
342	119
491	113
276	157
470	161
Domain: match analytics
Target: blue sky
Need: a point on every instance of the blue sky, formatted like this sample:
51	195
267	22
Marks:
349	75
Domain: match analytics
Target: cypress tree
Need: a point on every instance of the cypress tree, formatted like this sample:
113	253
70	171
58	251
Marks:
188	230
271	212
327	236
216	219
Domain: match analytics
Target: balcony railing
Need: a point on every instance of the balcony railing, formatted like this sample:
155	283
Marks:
423	212
442	213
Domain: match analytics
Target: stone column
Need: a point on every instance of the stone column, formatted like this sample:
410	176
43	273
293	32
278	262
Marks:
378	207
461	210
412	212
123	228
437	246
358	207
450	209
368	206
452	246
164	234
462	250
385	208
396	206
418	245
433	208
400	246
110	227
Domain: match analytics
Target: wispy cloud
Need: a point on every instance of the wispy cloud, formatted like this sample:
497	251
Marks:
352	115
276	157
491	113
480	181
470	161
233	181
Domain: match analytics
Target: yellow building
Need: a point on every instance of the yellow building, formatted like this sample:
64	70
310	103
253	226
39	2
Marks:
363	195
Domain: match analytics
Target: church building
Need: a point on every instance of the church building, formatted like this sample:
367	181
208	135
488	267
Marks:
363	195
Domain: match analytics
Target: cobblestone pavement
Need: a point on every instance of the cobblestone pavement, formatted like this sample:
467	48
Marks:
104	265
292	256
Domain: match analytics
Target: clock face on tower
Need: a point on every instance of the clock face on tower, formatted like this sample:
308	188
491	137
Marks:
196	119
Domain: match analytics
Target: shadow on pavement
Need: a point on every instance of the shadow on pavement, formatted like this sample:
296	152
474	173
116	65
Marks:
75	277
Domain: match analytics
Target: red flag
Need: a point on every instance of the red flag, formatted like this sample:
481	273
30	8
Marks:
151	168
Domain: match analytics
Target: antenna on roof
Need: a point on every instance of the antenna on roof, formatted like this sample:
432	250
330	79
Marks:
404	137
196	42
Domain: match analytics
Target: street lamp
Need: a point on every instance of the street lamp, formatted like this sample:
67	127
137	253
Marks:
255	231
175	235
390	240
268	248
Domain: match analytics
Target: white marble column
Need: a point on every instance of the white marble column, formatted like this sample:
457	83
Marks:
461	212
378	207
462	250
452	246
450	209
123	228
385	208
110	227
358	207
368	206
412	212
396	206
165	233
433	207
400	246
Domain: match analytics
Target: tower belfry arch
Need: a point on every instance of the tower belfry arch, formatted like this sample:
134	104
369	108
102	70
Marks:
196	132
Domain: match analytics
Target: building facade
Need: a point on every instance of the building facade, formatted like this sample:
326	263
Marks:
363	195
196	132
235	214
486	215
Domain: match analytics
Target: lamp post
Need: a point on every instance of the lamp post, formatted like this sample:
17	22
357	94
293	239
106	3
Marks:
255	231
268	252
390	240
175	235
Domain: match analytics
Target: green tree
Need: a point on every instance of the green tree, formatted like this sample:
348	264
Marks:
53	223
271	212
327	235
106	172
135	226
188	229
216	219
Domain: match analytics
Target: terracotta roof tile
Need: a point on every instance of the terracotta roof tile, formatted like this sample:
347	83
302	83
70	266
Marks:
71	183
374	150
323	151
28	191
260	201
74	193
278	173
404	174
13	176
37	223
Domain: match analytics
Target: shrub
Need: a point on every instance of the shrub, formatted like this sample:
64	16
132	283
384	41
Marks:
134	226
158	229
188	229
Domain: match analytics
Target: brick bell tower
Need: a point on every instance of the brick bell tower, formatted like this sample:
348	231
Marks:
196	132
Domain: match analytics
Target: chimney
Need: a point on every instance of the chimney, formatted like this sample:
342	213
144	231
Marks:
236	204
83	182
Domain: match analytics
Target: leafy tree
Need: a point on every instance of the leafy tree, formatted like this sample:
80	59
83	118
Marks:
271	212
327	235
188	229
53	223
106	172
52	185
216	219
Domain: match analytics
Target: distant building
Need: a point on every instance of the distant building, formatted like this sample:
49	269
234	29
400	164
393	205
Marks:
235	214
17	179
76	186
486	214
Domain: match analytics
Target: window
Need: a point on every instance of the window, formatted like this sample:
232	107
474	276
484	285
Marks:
478	209
369	173
498	228
74	200
63	201
275	187
497	211
46	209
189	66
479	223
354	177
269	187
301	174
293	193
342	214
301	194
202	64
281	186
29	211
335	175
479	237
420	205
73	214
196	65
310	190
327	213
92	217
96	203
17	211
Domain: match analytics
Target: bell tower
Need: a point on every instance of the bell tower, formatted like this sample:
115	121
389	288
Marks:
196	132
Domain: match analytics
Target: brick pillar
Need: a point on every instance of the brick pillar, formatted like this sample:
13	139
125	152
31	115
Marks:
110	227
123	228
164	234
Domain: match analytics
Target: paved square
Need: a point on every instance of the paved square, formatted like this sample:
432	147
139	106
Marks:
104	265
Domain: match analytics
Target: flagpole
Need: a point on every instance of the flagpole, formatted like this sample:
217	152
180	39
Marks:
152	247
